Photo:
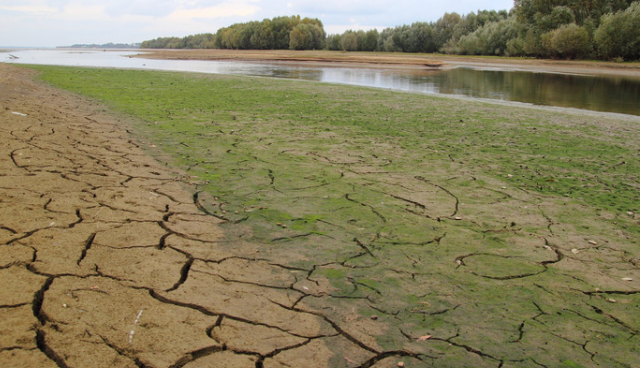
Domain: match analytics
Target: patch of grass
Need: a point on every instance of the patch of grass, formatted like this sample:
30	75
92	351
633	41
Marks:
485	226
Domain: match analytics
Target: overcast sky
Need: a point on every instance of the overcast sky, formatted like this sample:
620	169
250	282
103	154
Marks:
50	23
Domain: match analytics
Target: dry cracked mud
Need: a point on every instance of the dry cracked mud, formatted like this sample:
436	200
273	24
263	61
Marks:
105	260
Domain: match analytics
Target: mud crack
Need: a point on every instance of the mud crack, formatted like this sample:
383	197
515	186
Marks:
371	208
41	343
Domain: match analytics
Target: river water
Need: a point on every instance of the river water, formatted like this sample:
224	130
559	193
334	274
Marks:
599	93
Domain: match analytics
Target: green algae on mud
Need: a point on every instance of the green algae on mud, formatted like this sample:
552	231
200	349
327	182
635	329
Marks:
504	232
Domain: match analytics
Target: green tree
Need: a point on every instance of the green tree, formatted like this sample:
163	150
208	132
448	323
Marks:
618	35
226	38
420	38
333	42
263	37
271	34
369	41
532	12
559	16
515	47
490	39
385	41
241	37
443	29
349	41
282	27
318	35
556	28
540	18
400	37
300	37
570	41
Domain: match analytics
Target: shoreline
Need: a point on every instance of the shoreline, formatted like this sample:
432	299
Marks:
546	108
413	62
398	61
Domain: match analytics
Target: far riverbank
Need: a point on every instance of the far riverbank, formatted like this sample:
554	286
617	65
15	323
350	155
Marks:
401	60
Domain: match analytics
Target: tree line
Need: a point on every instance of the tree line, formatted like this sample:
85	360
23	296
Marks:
278	33
109	45
570	29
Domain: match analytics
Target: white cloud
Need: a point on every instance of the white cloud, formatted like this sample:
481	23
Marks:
344	7
229	9
36	10
155	8
82	12
119	8
27	7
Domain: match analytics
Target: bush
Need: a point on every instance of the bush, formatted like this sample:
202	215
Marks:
490	39
570	41
515	47
468	45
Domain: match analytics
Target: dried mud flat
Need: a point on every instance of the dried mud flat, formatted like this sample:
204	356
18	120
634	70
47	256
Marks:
97	238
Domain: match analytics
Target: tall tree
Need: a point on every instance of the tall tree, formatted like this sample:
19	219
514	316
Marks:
618	35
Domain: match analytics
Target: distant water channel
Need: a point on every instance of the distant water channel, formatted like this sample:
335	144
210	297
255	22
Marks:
599	93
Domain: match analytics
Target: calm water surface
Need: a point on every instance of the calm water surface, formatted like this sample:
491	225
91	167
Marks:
600	93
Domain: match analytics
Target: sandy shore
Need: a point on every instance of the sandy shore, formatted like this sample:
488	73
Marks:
106	261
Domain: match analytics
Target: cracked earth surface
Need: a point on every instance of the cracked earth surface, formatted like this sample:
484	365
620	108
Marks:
109	259
107	262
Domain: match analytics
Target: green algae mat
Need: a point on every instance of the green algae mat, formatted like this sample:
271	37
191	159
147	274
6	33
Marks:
456	233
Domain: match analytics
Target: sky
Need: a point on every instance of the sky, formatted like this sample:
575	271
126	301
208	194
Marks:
52	23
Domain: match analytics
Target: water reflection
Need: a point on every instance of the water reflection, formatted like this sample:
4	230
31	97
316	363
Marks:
600	93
